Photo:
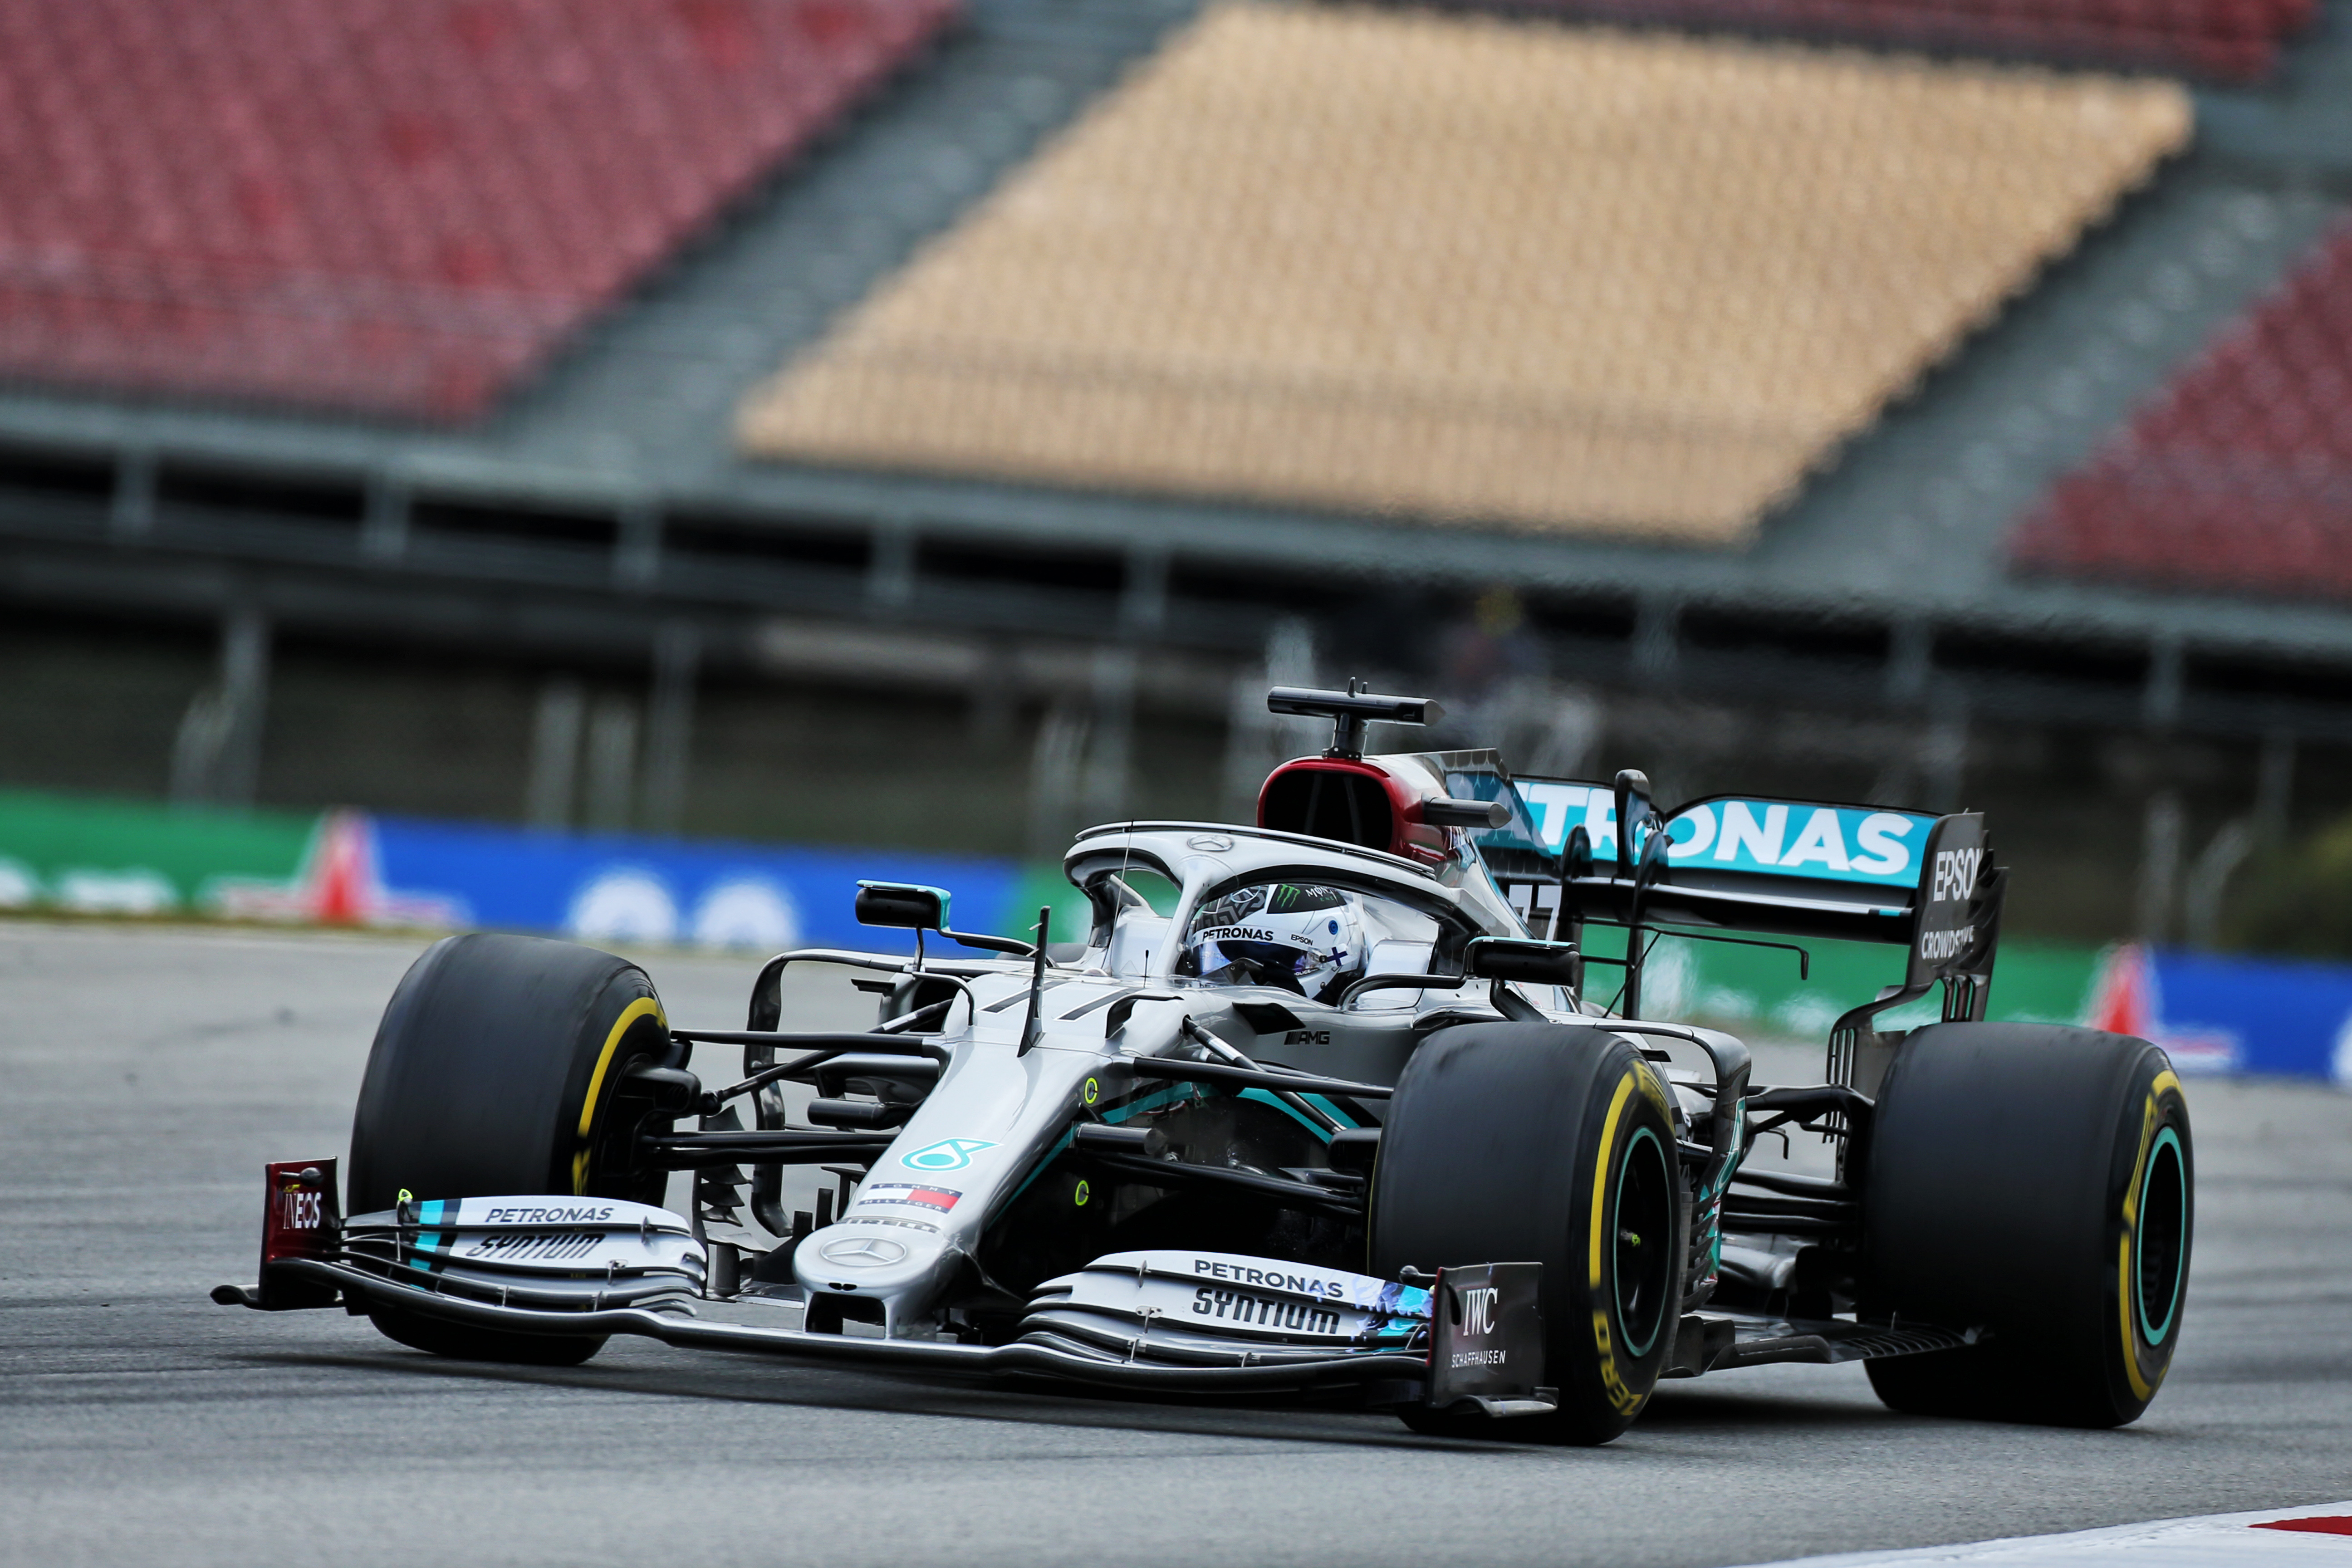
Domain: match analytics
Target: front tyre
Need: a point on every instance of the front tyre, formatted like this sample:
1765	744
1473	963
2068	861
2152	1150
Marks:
498	1069
1545	1143
2038	1181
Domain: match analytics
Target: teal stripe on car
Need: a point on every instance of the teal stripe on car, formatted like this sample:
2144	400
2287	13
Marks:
1267	1096
434	1213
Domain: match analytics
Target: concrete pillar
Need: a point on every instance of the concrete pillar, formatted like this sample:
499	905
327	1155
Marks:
196	748
669	725
2161	698
1143	603
245	682
216	755
995	698
1103	795
1944	758
2159	868
1567	735
611	763
1255	739
636	554
1055	764
1656	651
1910	662
2274	789
384	529
890	573
132	514
555	753
2209	879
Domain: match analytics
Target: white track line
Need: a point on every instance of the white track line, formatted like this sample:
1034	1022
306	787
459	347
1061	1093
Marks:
2208	1541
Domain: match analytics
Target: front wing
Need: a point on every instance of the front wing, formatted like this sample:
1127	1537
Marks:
1164	1322
1246	1372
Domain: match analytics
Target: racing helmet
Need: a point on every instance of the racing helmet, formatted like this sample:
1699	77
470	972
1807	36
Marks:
1292	935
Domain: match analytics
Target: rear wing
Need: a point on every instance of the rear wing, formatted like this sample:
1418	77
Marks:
1744	863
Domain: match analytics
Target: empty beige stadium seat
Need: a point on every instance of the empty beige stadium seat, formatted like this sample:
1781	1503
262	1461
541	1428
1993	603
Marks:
1470	269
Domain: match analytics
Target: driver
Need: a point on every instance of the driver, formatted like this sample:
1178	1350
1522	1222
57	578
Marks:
1303	938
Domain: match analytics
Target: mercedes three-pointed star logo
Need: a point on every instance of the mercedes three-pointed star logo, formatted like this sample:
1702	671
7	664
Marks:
863	1251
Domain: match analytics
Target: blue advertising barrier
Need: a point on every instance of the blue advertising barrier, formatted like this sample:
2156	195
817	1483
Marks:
2216	1013
623	889
2283	1017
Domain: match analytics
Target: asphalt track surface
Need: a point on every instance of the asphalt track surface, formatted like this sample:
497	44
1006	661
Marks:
150	1073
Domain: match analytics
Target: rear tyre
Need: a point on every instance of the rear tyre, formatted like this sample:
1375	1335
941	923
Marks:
496	1070
2039	1182
1545	1143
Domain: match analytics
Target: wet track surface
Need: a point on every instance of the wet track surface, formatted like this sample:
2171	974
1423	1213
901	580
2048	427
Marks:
150	1073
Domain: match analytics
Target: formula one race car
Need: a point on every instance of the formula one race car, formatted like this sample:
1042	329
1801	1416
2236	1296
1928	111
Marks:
1325	1105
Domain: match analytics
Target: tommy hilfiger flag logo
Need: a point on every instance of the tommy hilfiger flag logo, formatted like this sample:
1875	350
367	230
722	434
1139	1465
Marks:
938	1199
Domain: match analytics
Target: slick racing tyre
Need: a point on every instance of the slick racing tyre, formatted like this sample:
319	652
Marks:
1548	1143
2039	1183
495	1071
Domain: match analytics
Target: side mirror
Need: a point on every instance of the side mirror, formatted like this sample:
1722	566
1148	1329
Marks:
908	905
1576	856
1528	962
1633	810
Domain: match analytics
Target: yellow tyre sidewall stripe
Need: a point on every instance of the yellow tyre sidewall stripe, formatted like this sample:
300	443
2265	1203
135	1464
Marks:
2151	1119
1613	1382
642	1008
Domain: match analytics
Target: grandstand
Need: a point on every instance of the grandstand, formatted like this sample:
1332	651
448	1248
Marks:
2238	473
2229	40
1466	270
491	176
671	419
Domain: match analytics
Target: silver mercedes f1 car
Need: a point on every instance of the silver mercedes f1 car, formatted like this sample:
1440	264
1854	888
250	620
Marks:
1324	1107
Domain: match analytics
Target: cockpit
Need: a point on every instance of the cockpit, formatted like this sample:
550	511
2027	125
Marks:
1184	905
1303	937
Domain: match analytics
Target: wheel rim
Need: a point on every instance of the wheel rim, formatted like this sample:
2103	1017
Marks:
2163	1237
1644	1242
603	1137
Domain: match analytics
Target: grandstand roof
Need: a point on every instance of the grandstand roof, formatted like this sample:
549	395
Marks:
2239	472
393	206
1471	268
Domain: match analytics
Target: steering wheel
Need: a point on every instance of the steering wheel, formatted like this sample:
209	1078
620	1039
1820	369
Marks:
1262	972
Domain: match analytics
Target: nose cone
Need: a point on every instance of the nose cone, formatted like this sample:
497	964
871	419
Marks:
863	1258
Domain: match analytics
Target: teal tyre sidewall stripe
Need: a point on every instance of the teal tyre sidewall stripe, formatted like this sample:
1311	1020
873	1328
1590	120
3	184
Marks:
2166	1138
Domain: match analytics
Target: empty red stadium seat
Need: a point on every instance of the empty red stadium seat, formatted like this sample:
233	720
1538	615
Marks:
398	206
2237	475
2230	41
